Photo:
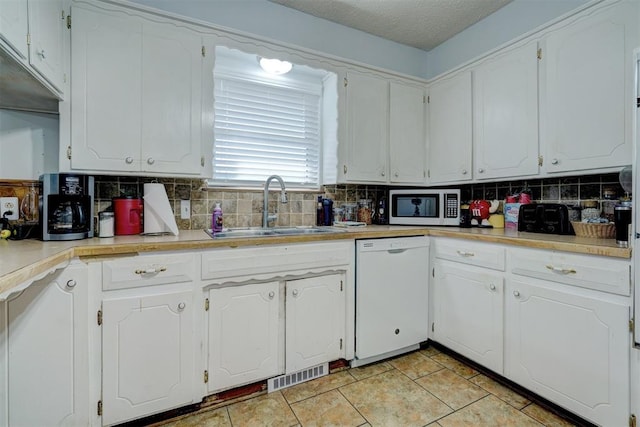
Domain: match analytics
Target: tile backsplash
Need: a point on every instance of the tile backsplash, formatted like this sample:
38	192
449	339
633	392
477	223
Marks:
243	208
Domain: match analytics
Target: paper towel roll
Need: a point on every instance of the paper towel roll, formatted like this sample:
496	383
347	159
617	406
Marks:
158	215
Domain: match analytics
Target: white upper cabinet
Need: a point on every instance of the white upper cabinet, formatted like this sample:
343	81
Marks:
505	114
14	26
367	128
587	90
137	97
407	144
47	31
450	129
35	32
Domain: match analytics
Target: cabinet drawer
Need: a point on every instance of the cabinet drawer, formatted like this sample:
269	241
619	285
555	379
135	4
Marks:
256	261
472	253
147	270
586	271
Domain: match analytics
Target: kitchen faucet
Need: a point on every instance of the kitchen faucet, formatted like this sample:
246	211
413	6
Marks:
265	208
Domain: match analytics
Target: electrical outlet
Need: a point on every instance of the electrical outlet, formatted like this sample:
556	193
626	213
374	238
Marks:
9	208
185	209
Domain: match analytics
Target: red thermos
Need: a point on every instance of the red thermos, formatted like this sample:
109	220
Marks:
128	215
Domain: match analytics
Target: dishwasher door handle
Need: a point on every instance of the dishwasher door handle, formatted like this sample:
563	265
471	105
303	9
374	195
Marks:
396	251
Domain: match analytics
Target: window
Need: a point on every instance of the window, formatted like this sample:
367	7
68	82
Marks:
264	127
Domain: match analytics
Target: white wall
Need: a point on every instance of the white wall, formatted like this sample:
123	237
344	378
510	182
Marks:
28	144
513	20
276	22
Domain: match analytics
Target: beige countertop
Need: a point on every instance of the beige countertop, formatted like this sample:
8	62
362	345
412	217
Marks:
25	259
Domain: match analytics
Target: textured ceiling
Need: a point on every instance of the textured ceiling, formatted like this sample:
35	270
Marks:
423	24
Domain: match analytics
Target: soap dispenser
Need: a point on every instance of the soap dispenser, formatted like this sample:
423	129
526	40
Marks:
216	220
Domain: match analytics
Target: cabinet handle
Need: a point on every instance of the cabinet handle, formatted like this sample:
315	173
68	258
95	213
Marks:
480	170
71	284
128	160
344	169
40	53
516	294
150	160
272	294
181	306
561	270
555	161
492	287
464	172
294	292
151	270
465	253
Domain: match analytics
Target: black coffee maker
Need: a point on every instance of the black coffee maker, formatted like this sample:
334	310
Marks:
66	206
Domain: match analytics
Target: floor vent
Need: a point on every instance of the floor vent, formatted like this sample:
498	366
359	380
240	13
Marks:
284	381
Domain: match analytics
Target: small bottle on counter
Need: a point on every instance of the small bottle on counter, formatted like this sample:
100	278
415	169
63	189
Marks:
319	212
216	219
105	224
364	211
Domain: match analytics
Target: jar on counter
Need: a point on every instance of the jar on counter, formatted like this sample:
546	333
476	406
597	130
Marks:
105	224
350	212
365	210
590	210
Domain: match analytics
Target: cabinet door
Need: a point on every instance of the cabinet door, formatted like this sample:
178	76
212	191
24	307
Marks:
172	97
587	91
47	28
571	349
106	100
407	139
315	321
14	25
147	355
505	111
47	357
450	131
243	334
367	128
468	305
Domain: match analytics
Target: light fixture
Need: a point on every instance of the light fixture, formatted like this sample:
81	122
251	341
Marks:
275	66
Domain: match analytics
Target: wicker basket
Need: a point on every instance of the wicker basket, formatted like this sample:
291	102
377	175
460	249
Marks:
595	230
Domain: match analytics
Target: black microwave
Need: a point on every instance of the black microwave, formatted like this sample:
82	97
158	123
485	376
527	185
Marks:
424	207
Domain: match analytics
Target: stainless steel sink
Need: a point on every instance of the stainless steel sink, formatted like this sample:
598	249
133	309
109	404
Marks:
275	231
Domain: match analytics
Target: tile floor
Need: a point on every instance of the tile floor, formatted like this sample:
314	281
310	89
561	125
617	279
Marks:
423	388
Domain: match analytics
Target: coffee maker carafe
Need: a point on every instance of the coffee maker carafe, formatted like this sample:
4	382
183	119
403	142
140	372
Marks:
66	208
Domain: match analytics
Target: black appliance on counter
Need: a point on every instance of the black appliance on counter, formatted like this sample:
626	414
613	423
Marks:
549	218
66	206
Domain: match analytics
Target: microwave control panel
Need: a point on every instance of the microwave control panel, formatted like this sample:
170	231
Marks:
452	205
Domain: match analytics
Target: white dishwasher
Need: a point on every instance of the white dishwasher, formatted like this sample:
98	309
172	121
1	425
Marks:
391	297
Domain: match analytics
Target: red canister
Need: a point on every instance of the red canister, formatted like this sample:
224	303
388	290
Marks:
128	215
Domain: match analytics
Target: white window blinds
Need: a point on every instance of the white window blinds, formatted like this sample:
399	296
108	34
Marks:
263	129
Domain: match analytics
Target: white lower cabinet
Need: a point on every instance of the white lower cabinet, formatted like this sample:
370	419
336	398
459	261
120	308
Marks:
244	331
147	354
315	321
569	347
468	314
553	322
44	353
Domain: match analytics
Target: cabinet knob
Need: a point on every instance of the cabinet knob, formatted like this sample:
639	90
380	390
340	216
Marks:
272	294
464	172
128	160
395	174
150	160
382	173
516	294
40	53
397	331
71	283
181	306
480	170
492	287
555	161
294	292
